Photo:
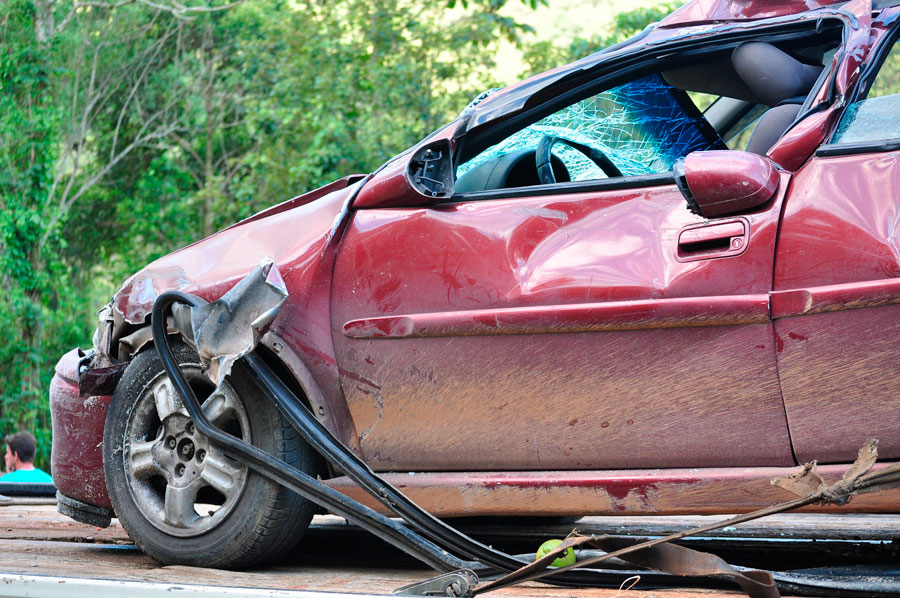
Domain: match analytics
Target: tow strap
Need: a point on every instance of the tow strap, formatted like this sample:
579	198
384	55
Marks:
658	554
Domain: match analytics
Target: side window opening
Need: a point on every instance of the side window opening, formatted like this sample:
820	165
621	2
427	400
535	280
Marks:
874	117
644	126
702	100
734	119
738	136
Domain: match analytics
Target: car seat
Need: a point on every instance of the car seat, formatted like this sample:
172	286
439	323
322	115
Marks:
780	81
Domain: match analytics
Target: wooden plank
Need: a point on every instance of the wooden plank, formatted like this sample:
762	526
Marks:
23	519
381	574
334	556
40	586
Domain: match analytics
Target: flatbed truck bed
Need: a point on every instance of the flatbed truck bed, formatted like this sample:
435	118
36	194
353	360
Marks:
43	553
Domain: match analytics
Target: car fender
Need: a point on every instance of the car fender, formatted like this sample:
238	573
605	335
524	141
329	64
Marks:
302	241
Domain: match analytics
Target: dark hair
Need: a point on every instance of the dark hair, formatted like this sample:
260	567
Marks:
23	445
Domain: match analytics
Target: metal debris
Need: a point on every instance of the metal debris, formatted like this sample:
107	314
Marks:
457	584
230	327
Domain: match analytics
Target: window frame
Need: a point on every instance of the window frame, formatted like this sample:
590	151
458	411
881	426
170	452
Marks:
609	74
860	92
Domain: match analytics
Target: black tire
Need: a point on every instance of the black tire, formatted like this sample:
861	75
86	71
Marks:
157	476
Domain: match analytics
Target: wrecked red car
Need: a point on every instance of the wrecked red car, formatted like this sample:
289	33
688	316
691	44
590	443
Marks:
585	295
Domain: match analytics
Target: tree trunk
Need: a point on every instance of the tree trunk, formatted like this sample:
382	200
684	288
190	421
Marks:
208	106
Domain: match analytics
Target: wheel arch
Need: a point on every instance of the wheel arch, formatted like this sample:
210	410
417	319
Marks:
290	369
296	374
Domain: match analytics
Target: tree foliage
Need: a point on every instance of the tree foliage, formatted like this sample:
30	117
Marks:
31	303
545	55
129	128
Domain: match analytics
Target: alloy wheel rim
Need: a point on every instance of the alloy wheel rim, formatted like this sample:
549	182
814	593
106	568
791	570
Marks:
181	483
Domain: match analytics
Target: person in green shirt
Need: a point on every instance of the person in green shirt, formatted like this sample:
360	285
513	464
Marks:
19	457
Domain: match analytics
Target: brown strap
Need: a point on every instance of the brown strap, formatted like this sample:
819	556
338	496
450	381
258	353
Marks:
660	555
668	558
684	562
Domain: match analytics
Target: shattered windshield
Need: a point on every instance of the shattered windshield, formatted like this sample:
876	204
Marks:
642	126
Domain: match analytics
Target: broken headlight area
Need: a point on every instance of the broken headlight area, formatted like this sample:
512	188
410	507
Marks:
222	331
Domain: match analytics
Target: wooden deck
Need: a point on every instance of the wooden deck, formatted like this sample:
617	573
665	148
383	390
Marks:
336	557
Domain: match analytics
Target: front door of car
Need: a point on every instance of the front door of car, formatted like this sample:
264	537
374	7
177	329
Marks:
558	330
837	275
591	322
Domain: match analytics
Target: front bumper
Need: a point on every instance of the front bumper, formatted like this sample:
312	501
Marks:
77	455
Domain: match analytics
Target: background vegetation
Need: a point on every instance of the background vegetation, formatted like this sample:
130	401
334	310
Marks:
130	128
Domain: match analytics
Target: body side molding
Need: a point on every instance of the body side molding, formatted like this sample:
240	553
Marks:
585	317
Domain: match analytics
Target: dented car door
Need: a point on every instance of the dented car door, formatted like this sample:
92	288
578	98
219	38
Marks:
566	326
837	275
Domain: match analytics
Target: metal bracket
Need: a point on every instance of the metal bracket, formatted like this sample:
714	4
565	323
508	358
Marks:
430	170
458	584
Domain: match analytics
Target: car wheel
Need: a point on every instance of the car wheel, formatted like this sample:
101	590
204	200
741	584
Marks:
179	497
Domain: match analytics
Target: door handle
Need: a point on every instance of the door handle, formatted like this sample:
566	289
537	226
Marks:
707	241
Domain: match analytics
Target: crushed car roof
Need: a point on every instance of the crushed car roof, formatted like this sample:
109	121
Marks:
694	19
716	11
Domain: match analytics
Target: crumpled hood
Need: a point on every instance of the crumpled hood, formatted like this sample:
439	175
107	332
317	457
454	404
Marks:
292	234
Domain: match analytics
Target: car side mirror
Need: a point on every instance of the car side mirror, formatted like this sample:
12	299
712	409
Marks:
723	182
423	176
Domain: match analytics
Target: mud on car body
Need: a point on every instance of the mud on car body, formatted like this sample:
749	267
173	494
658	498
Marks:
586	295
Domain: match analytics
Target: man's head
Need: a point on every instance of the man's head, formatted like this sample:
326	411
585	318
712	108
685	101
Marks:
20	449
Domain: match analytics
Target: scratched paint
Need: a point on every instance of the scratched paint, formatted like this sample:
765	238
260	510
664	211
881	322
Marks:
838	250
76	457
847	361
496	301
651	492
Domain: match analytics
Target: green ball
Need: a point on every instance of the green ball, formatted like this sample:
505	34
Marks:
567	558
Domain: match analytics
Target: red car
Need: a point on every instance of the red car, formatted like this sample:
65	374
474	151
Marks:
583	296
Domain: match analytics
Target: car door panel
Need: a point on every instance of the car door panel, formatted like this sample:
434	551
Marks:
836	283
556	332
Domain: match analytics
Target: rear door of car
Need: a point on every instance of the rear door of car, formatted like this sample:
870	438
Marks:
837	274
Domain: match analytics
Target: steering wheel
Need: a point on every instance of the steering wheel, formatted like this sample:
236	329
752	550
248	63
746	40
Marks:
545	169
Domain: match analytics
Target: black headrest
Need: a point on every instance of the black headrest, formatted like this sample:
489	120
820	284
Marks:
772	74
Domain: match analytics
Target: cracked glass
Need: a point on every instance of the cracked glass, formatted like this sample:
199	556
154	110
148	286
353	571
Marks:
643	127
874	118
